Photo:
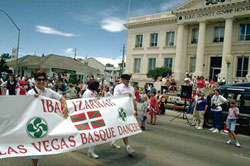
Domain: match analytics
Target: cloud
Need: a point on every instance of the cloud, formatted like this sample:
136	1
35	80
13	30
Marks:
69	50
52	31
104	60
113	24
170	5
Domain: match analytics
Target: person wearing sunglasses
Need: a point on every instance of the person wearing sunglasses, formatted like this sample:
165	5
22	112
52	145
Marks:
39	89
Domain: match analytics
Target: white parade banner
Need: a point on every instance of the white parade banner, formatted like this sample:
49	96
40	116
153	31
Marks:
32	126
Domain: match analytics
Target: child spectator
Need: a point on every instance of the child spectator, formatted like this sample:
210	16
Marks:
153	108
144	111
232	117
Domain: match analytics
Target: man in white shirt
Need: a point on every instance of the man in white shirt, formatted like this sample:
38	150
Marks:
125	88
91	91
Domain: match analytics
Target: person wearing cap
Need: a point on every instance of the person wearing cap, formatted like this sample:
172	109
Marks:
90	92
39	89
22	90
125	88
11	85
201	107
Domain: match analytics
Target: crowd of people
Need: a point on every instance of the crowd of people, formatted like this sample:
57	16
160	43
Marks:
153	101
60	90
213	103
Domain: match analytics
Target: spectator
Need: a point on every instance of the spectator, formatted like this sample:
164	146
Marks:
232	117
11	85
137	94
144	111
173	85
211	83
216	102
191	103
21	87
201	108
201	84
71	92
154	110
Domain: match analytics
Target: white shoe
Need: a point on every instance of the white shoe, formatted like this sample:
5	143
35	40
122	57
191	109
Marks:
130	151
215	131
237	144
93	155
225	131
212	129
196	126
229	142
114	145
199	128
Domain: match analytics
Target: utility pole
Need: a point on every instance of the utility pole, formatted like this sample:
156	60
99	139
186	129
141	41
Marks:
75	54
123	54
18	38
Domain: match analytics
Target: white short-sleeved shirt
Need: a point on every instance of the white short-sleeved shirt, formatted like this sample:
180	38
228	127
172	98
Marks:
46	93
217	100
88	93
123	89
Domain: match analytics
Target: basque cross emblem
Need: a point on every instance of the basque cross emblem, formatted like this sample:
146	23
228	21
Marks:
122	114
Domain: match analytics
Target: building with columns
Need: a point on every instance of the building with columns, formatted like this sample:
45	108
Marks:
205	37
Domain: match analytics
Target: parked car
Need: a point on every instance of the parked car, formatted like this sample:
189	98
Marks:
240	93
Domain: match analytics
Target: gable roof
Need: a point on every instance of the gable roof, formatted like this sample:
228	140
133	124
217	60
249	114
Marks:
29	60
52	61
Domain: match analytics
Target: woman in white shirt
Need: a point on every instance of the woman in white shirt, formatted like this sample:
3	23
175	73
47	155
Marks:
216	107
40	89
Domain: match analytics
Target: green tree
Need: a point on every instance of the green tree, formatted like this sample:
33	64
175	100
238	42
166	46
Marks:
159	72
109	65
5	56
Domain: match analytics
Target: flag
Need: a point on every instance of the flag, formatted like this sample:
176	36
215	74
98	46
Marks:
84	126
94	114
78	117
98	123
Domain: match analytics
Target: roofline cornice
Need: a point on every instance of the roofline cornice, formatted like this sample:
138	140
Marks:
150	22
177	12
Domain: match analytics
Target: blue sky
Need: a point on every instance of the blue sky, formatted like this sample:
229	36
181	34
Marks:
94	27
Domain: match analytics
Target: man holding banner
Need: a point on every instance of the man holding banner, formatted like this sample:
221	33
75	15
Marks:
91	92
125	88
39	89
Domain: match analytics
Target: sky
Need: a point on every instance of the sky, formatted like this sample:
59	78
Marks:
94	27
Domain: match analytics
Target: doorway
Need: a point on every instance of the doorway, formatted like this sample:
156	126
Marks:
215	68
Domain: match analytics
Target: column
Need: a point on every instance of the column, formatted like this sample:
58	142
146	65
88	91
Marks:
227	47
200	50
181	51
160	61
248	72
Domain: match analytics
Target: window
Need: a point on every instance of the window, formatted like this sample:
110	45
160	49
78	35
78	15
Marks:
137	65
195	34
170	38
151	64
138	41
168	62
192	64
219	34
244	32
153	39
242	67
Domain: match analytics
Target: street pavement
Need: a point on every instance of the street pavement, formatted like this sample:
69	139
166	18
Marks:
165	144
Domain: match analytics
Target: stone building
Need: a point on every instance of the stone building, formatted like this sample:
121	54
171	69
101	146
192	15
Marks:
52	64
209	38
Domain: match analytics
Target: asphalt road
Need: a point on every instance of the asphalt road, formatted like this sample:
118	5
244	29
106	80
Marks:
165	144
